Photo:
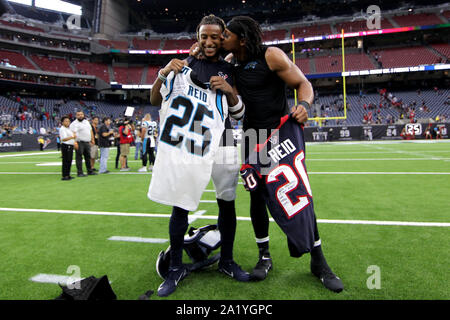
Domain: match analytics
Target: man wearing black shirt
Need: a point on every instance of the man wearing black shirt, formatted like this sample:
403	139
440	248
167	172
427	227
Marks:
104	142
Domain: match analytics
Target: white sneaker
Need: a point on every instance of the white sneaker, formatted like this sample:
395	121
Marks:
125	169
143	169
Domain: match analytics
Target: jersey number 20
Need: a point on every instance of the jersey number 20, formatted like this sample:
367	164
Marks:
194	117
292	176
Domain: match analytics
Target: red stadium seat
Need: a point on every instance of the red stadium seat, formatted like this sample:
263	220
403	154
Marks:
16	59
146	44
406	57
273	35
52	64
178	44
310	31
100	70
421	19
128	75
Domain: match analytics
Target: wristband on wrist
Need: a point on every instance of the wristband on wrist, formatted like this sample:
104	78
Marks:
161	77
305	104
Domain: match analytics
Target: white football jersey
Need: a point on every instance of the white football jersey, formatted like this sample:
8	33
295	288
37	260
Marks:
192	122
150	128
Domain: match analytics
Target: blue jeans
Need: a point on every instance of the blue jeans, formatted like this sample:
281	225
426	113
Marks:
137	153
104	155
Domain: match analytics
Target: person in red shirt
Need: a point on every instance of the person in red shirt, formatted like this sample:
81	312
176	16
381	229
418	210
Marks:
126	138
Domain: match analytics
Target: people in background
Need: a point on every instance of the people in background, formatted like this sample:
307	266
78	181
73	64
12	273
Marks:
67	137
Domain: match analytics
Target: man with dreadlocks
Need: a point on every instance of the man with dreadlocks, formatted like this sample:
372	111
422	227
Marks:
261	76
214	71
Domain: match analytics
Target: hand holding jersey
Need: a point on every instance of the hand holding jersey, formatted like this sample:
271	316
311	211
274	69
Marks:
278	165
175	65
262	75
192	122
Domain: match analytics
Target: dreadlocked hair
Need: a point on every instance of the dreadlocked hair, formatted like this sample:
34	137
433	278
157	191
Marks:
211	20
249	30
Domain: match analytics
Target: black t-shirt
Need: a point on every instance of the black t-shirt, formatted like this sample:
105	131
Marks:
95	131
103	142
263	93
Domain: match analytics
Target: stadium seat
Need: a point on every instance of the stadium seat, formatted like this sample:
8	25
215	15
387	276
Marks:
310	31
139	44
406	57
52	64
99	70
178	44
16	59
422	19
128	75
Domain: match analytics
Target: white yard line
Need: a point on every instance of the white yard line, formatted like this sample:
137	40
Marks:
28	154
137	239
195	216
207	217
53	278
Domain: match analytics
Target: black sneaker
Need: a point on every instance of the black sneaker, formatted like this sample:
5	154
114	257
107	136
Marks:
92	173
329	279
173	278
262	268
81	175
232	269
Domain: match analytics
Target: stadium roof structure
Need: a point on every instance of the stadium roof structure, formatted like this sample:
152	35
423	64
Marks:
179	16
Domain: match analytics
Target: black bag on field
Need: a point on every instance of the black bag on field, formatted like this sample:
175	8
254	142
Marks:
90	288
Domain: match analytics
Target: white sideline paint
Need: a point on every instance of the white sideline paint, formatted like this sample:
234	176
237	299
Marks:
207	217
53	278
196	215
28	154
52	164
138	239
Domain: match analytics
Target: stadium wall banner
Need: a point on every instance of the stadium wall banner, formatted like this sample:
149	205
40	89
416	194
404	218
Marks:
26	142
408	131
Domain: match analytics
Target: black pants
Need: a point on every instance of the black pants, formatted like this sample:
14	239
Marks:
84	150
150	151
67	155
258	213
117	155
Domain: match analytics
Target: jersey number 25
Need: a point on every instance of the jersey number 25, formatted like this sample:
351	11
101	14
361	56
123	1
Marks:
192	117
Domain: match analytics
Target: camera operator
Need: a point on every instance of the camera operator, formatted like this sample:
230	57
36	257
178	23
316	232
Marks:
126	138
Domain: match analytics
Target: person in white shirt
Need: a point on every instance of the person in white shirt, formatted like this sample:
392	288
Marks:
67	137
84	138
147	135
